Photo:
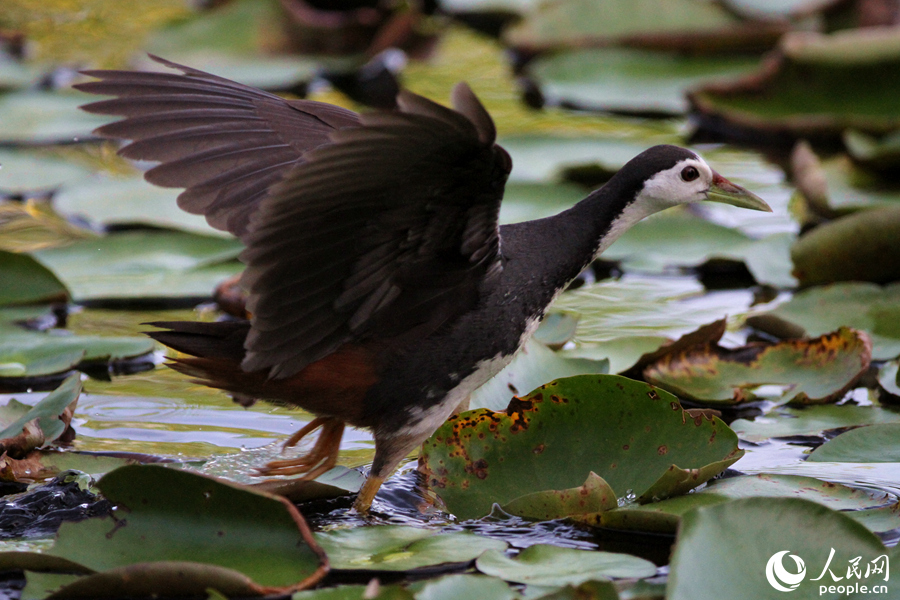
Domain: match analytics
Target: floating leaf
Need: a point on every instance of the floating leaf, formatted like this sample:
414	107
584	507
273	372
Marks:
26	281
528	201
401	548
45	117
815	371
627	432
889	378
28	427
543	564
726	551
868	444
851	248
665	515
339	481
30	170
590	590
593	497
454	587
811	420
144	264
354	592
167	517
793	91
880	155
863	306
535	364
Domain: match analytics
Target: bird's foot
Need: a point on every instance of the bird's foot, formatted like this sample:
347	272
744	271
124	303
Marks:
322	457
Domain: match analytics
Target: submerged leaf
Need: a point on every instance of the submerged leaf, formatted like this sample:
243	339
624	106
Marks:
627	432
814	371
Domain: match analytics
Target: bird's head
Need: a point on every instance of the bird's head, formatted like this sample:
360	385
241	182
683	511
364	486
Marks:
670	175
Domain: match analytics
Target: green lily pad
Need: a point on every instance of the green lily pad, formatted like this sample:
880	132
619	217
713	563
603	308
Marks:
339	481
128	200
543	564
28	427
26	281
664	516
144	264
863	306
628	80
45	117
354	592
851	248
879	155
794	91
846	188
727	551
453	587
627	432
593	590
624	319
869	444
593	497
27	170
815	371
401	548
811	420
535	364
889	378
176	516
526	201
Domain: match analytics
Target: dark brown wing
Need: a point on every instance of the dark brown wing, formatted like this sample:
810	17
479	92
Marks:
225	142
389	232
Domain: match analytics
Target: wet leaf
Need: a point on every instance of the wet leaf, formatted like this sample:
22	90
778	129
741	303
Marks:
534	365
32	170
144	265
175	516
863	306
851	248
811	420
28	427
814	371
26	281
45	117
339	481
793	91
589	590
736	540
401	548
868	444
628	433
593	496
664	516
629	80
454	587
543	564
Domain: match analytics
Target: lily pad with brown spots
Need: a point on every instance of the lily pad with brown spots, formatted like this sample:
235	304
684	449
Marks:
809	371
627	432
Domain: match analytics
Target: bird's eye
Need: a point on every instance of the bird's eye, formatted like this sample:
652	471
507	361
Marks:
690	173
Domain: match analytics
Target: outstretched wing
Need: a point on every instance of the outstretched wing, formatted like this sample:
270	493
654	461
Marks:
388	233
227	143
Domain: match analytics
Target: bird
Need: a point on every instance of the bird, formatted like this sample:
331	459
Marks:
381	289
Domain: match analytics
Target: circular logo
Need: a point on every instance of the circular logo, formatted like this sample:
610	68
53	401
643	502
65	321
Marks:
779	577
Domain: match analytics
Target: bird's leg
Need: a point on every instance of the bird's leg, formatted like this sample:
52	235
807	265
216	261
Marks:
320	459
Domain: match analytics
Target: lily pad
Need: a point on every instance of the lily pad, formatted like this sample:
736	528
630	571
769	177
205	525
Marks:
864	306
851	248
453	587
355	592
535	364
29	170
593	497
543	564
26	281
166	517
889	378
401	548
144	264
792	94
627	432
339	481
630	80
814	371
869	444
28	427
595	590
532	200
45	117
811	420
880	155
664	516
727	551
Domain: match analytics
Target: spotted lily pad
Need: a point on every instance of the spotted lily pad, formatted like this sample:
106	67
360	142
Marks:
864	306
872	443
813	371
726	551
401	548
543	564
665	515
593	496
637	438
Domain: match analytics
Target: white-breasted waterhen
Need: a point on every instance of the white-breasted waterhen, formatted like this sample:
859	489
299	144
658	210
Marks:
382	290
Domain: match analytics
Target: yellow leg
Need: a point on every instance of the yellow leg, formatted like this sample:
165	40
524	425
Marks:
367	493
